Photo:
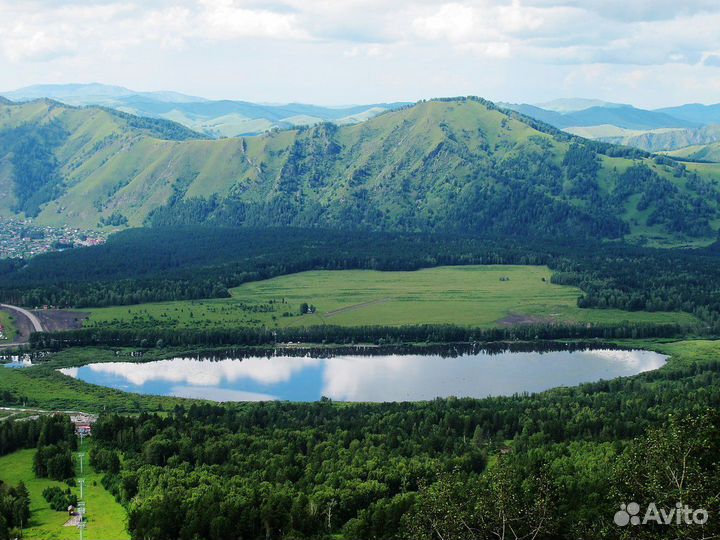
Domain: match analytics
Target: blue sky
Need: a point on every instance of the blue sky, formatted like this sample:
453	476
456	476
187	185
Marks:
650	53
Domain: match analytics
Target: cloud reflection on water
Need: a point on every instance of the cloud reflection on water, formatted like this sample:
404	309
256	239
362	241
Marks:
204	372
370	378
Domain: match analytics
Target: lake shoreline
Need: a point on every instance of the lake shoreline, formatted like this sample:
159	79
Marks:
399	376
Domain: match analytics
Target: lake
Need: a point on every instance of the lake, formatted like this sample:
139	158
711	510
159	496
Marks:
372	378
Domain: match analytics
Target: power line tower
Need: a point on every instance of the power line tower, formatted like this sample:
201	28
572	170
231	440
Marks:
82	525
81	455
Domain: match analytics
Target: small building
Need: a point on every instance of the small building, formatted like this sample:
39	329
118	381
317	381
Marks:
83	429
83	419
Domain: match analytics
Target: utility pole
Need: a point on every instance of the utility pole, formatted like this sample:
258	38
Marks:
81	482
82	525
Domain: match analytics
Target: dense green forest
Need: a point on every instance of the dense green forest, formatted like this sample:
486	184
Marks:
37	172
146	265
142	265
14	509
338	335
55	431
557	464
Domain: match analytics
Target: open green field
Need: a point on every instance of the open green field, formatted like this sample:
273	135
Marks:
482	296
8	327
106	518
42	386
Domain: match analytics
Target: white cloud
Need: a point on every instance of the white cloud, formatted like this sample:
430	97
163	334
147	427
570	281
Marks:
224	20
453	22
343	51
562	31
370	50
637	10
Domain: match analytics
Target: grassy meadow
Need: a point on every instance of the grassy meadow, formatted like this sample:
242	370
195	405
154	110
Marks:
42	386
106	518
482	296
8	327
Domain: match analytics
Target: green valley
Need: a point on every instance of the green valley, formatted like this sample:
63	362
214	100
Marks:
479	296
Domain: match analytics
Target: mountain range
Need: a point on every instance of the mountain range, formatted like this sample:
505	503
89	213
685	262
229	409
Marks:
622	116
442	165
665	129
668	128
219	118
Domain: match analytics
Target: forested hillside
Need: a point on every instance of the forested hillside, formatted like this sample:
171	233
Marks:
443	165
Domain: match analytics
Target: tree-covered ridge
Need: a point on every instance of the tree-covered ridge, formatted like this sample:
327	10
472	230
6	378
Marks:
156	127
458	164
30	151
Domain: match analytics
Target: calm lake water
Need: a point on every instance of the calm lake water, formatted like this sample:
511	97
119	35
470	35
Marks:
367	378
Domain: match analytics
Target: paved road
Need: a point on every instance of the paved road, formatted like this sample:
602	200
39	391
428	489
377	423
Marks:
33	319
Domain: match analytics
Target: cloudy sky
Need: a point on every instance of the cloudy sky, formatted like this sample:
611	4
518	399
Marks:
650	53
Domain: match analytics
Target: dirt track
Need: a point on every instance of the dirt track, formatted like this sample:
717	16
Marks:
54	320
355	307
515	319
51	320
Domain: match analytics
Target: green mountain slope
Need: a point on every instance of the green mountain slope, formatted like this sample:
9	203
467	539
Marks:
439	165
703	152
654	140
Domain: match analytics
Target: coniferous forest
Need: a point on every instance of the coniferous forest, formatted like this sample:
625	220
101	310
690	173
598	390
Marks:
143	265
